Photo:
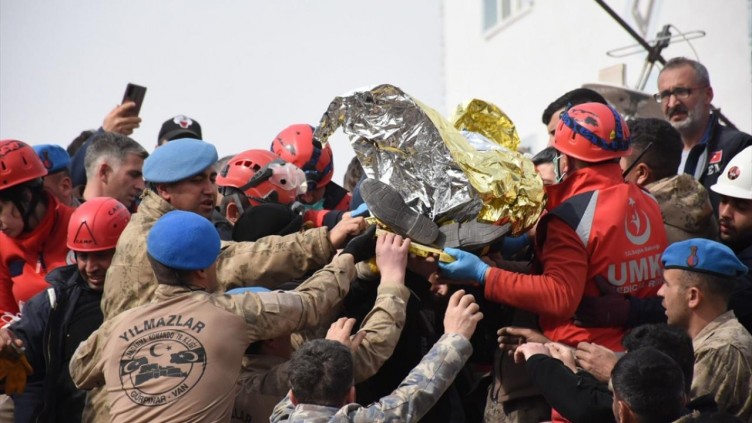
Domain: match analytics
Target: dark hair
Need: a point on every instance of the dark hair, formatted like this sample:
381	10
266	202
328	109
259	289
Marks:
574	97
321	373
544	156
167	275
701	72
78	141
670	340
665	142
353	174
651	383
717	286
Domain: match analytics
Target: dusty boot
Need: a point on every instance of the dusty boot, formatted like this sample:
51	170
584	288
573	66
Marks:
470	235
387	205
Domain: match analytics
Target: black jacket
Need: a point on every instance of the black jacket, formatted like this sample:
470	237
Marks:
47	334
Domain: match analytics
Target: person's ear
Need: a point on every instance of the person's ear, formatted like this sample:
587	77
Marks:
694	297
708	95
163	191
643	173
293	399
66	186
624	412
103	172
232	212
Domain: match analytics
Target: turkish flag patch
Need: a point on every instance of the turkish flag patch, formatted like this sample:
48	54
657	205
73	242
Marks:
716	157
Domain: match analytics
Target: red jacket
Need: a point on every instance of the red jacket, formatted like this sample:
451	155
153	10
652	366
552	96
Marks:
24	261
336	199
597	225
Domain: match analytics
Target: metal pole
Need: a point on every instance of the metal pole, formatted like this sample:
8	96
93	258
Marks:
657	56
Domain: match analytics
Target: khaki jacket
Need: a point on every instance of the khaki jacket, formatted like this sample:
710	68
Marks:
265	379
179	358
685	206
266	262
723	365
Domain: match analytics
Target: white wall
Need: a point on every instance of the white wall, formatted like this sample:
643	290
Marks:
559	45
243	69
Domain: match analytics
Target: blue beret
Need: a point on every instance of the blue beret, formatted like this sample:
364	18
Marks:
54	157
178	160
254	289
183	240
703	256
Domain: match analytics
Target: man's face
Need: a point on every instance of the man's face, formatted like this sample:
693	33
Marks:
126	181
546	172
60	185
93	266
674	293
11	221
196	194
735	222
551	127
312	196
685	114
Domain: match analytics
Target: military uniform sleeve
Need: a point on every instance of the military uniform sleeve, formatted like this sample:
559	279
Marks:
425	384
86	366
724	373
383	326
282	411
272	314
274	259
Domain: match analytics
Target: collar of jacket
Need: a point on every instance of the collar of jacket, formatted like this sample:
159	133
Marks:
587	179
34	240
153	206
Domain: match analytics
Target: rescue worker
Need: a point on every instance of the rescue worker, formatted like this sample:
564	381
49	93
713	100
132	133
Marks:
58	180
699	280
735	217
256	177
596	226
325	201
55	321
321	375
178	359
33	225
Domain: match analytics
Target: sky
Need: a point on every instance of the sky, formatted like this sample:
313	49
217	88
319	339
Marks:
243	69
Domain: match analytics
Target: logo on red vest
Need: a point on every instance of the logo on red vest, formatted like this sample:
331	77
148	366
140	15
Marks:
636	224
733	173
716	157
693	260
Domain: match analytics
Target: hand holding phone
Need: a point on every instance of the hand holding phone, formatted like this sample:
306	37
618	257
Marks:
134	93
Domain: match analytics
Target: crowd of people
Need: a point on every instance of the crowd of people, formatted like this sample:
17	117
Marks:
177	286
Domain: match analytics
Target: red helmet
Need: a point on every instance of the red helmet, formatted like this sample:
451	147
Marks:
18	164
263	177
295	144
592	132
97	224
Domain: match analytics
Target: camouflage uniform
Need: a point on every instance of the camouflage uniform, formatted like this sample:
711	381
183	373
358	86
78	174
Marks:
417	393
266	377
178	359
686	209
723	365
268	262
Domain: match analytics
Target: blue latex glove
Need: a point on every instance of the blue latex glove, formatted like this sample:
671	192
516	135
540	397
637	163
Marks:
361	210
467	266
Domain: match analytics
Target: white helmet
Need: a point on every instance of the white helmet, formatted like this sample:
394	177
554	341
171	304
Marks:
736	179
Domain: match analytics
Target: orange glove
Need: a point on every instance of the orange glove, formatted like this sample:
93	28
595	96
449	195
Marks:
15	372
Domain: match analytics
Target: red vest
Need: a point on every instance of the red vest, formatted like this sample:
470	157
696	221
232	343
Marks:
621	227
24	261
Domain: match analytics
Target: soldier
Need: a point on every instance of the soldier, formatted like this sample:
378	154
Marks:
33	226
57	320
265	379
181	176
321	376
699	279
178	358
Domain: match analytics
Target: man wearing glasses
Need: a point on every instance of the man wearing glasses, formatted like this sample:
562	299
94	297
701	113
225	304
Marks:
685	94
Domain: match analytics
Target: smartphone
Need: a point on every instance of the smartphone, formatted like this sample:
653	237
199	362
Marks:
134	93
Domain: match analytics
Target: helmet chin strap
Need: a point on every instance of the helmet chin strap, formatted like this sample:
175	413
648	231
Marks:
557	171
